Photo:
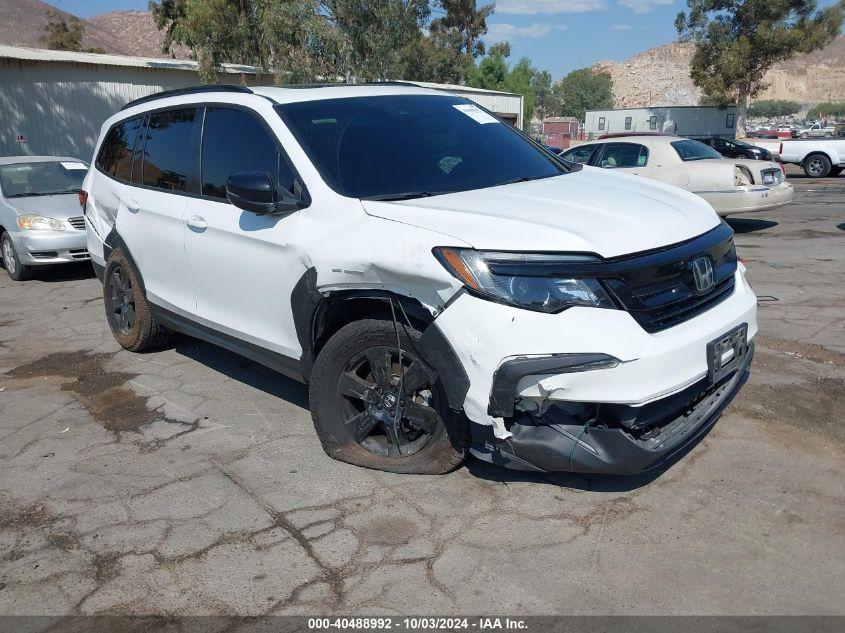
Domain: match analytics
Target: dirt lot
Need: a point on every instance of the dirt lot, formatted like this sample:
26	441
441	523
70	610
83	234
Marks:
191	481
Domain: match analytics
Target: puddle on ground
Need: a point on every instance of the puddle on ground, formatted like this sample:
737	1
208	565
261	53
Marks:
102	392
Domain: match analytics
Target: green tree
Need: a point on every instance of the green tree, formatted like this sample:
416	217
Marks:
773	107
296	38
376	32
501	48
583	90
541	88
518	81
737	41
65	35
828	108
465	18
490	74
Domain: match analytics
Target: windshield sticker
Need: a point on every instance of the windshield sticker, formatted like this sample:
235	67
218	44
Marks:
74	166
475	113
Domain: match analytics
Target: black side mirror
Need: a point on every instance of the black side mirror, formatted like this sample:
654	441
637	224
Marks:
254	191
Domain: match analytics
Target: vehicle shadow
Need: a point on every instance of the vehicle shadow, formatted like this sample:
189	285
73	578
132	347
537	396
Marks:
62	272
749	225
243	370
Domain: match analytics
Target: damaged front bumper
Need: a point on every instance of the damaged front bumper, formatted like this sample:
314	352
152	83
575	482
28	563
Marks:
530	381
611	439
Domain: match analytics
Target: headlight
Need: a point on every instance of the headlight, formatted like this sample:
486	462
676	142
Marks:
517	278
40	223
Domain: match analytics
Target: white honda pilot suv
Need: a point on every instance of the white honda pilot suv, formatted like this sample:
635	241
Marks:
442	283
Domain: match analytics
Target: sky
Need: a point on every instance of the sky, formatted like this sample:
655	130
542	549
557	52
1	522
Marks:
558	35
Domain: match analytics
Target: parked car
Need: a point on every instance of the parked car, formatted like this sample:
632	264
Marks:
442	283
818	158
729	185
40	219
816	130
732	148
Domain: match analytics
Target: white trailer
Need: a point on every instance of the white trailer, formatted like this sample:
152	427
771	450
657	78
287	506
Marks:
677	120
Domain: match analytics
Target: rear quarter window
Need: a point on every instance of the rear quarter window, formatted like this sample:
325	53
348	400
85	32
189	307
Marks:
115	157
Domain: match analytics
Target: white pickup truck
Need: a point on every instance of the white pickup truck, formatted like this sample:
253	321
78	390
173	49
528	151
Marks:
818	158
817	130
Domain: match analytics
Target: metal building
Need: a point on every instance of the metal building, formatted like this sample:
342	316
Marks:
54	102
505	104
680	120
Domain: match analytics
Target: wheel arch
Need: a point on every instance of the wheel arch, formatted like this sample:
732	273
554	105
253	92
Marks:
113	241
817	152
317	317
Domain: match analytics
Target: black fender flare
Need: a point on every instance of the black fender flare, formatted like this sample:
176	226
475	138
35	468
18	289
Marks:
309	306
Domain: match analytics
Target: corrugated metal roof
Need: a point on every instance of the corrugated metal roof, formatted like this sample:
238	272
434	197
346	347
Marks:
459	88
45	55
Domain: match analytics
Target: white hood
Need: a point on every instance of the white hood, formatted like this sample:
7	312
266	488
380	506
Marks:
590	210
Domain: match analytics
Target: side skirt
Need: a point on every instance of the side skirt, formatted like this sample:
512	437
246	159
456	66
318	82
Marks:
290	367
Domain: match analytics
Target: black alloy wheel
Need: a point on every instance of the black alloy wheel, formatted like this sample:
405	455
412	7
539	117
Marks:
121	308
390	406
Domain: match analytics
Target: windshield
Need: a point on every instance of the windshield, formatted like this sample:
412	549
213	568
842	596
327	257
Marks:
693	150
409	146
19	180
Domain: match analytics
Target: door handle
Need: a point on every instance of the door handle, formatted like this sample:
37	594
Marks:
133	205
197	222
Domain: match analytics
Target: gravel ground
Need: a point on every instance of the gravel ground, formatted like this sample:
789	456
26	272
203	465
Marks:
190	481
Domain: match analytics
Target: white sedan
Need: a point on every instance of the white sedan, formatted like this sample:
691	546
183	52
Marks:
729	185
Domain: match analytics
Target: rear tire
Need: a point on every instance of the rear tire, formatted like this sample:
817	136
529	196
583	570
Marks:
127	310
817	166
355	396
11	261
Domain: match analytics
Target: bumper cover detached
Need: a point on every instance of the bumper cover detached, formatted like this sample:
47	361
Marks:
611	438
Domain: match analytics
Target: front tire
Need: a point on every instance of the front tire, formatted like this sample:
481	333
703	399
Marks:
363	417
127	310
817	166
14	268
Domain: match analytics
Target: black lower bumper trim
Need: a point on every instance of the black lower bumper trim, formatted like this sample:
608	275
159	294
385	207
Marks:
546	443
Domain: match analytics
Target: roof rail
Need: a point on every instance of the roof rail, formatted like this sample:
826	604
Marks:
187	91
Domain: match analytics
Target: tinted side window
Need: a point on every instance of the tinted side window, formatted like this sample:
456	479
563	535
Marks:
615	155
117	148
234	140
167	154
579	154
123	167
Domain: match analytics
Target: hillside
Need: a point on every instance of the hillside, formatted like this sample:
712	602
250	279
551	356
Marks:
137	32
22	23
660	76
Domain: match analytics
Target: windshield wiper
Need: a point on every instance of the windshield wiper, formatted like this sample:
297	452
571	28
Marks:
513	181
42	193
408	195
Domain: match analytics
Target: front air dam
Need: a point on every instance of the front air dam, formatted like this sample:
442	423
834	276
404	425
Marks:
560	441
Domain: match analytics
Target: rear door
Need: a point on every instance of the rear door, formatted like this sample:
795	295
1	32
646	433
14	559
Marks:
111	176
151	217
629	157
242	269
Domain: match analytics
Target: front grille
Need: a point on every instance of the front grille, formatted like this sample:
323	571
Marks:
658	288
78	223
44	255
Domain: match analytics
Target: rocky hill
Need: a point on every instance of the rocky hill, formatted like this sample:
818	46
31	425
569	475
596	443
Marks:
22	23
137	32
660	76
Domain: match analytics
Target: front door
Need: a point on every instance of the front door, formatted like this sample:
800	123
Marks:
242	266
